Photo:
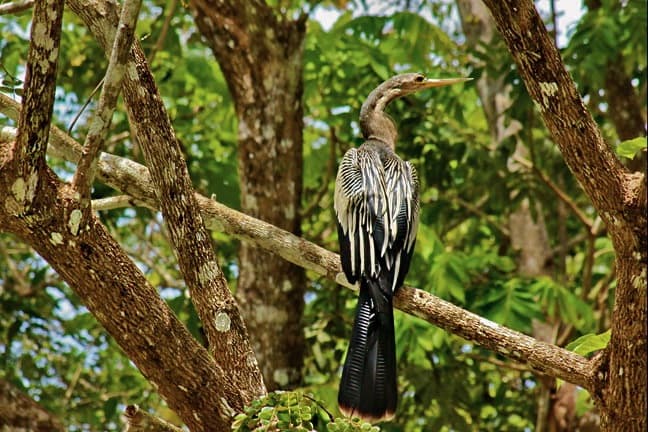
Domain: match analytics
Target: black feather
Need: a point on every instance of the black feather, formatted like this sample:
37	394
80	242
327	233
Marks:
368	388
345	254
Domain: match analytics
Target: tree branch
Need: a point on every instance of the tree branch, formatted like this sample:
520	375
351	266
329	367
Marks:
562	196
159	43
38	90
546	358
115	202
613	192
85	173
16	7
594	165
224	327
19	412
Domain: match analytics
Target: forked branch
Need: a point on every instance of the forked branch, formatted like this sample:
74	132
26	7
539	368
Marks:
133	179
100	123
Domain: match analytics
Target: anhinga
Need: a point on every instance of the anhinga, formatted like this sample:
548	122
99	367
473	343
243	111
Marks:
377	207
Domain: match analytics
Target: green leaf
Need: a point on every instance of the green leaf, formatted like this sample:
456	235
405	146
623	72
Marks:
630	148
110	407
589	343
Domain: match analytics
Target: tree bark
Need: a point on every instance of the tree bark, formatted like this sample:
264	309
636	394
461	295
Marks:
20	413
618	196
261	56
47	214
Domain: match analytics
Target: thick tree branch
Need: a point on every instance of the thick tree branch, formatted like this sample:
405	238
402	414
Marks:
224	327
595	166
38	90
99	125
19	412
546	358
117	293
541	356
617	196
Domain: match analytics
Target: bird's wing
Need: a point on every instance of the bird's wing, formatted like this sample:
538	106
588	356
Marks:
403	204
361	210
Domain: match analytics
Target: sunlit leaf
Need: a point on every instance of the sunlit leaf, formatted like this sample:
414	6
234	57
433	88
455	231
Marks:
630	148
589	343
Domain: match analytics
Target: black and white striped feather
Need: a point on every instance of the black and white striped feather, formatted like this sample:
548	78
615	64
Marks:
377	208
376	203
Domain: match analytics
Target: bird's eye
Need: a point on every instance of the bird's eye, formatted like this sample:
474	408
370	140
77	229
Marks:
419	78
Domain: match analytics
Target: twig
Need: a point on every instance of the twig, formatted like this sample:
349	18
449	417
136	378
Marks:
156	262
85	173
557	191
328	175
163	31
71	386
476	209
588	266
141	421
554	23
319	404
85	105
499	363
118	137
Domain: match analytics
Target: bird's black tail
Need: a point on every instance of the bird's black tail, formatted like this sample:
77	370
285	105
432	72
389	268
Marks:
368	386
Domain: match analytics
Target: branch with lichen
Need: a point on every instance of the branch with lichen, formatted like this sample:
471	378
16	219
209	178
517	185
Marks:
38	91
132	178
100	123
188	236
16	7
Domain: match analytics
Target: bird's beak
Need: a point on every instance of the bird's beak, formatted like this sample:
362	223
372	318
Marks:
441	82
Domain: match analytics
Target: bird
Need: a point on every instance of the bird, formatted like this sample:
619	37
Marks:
376	205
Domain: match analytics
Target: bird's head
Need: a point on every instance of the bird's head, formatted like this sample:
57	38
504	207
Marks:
374	122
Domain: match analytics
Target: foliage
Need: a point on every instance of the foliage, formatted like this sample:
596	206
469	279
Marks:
294	411
54	350
630	148
589	343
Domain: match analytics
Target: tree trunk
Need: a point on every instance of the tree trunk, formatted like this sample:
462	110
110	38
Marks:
618	196
261	56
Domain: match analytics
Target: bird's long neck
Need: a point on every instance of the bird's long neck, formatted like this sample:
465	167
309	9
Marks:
374	122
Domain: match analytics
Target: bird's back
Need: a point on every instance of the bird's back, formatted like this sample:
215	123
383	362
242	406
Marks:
376	203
